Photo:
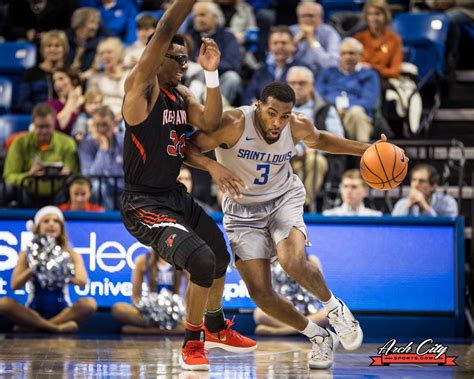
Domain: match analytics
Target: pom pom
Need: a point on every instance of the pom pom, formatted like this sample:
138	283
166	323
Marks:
52	266
302	299
30	225
164	310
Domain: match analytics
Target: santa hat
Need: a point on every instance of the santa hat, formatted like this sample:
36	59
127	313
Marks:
48	210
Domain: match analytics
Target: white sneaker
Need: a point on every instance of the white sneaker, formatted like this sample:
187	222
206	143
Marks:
346	326
322	352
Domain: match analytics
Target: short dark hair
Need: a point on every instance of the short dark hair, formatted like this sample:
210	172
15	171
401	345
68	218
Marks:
43	110
178	39
147	21
104	111
78	179
279	91
281	29
433	176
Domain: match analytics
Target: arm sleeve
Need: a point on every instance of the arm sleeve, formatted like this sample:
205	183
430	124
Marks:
401	208
15	165
70	156
370	93
231	55
395	62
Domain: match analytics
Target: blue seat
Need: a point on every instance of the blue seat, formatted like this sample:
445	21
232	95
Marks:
332	6
425	35
5	95
13	123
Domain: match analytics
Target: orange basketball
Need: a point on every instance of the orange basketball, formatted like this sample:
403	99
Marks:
383	166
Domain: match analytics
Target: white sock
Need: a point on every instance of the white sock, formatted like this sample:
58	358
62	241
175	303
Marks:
331	303
312	330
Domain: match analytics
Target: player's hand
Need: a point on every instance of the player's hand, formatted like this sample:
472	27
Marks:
226	180
209	55
383	138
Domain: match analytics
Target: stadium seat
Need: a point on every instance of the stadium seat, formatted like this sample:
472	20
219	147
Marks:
332	6
13	123
5	95
16	58
424	35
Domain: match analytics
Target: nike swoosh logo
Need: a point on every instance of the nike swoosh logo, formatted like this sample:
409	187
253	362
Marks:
249	138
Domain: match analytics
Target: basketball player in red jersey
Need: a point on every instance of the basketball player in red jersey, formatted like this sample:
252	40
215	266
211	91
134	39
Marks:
156	209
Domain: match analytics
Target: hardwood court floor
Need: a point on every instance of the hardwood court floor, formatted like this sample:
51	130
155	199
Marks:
145	357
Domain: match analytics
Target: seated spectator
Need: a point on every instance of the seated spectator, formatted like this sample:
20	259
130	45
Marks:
26	19
153	271
92	101
317	42
186	178
146	26
48	309
84	36
33	153
267	325
111	81
353	191
353	89
67	98
281	58
79	191
118	16
423	198
382	47
101	154
37	81
208	22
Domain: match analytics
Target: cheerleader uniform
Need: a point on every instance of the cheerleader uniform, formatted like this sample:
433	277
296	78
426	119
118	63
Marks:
47	302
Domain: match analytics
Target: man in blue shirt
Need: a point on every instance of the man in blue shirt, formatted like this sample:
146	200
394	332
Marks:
354	90
101	154
423	200
317	43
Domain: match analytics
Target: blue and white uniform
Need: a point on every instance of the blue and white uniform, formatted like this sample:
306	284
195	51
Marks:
47	302
164	275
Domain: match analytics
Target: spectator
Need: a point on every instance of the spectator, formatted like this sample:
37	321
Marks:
353	191
238	17
146	26
355	90
28	19
186	179
118	17
92	101
47	309
423	198
279	61
36	86
67	98
317	43
79	191
111	81
208	21
84	36
267	325
101	154
153	271
382	47
31	154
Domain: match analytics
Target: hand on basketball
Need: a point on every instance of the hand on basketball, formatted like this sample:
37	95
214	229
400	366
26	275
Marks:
226	180
383	138
209	55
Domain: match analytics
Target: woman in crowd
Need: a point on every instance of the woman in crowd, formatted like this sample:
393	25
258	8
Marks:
48	309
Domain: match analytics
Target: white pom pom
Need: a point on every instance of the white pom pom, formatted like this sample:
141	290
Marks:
30	225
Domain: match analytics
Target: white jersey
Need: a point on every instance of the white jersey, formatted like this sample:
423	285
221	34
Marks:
264	168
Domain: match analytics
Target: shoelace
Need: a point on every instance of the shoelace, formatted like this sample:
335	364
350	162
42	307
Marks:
228	330
320	350
342	326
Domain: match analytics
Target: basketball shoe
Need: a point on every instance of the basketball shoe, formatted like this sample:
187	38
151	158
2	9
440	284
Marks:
321	355
229	340
193	356
346	326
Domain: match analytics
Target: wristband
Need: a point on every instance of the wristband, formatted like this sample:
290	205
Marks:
212	78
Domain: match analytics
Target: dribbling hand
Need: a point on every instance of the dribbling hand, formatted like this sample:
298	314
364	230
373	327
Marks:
209	55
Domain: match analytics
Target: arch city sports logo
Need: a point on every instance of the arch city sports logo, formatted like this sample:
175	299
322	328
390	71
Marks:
426	352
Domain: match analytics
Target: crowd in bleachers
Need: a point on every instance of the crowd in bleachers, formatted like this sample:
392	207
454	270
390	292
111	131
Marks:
64	64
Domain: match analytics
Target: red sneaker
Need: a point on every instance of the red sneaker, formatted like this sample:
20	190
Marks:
229	340
193	356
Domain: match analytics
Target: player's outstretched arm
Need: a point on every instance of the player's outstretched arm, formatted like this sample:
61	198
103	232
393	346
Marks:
304	130
141	86
207	117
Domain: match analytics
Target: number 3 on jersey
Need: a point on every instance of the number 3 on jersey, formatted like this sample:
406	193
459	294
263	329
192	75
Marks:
264	170
178	144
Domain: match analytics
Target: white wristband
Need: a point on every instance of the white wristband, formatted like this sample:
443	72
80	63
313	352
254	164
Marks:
212	78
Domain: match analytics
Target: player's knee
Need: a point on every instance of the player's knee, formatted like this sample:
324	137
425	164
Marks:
222	261
292	265
201	266
264	298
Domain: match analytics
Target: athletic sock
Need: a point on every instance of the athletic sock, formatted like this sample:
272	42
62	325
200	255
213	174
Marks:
215	320
313	330
193	332
331	303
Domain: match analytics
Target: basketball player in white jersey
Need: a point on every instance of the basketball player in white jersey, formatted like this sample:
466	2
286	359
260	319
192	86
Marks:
265	220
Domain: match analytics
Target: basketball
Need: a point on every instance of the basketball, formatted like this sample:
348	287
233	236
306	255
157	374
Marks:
383	166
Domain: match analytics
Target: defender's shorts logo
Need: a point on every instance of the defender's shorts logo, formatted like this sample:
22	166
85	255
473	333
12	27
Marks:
170	240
